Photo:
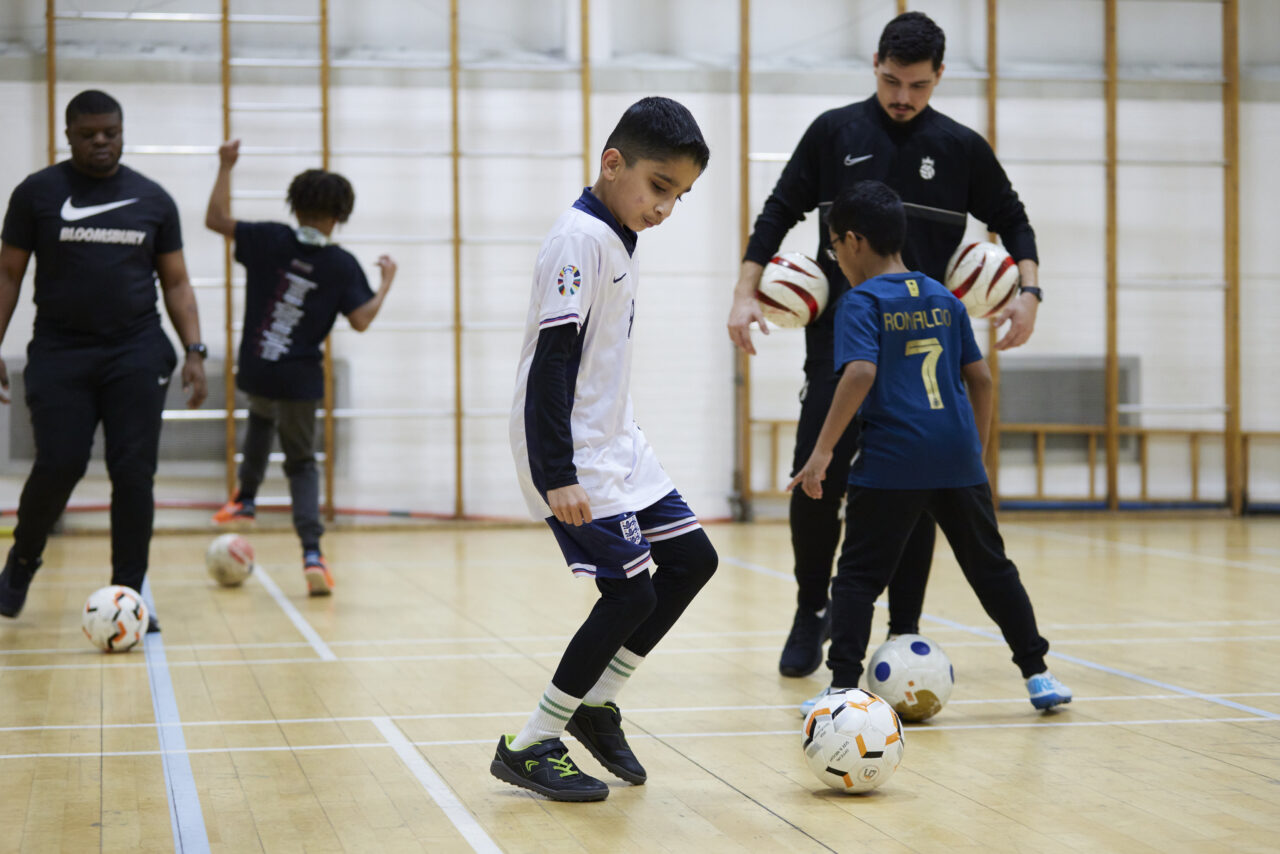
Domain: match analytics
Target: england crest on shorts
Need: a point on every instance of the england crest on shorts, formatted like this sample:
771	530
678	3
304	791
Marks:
926	168
631	530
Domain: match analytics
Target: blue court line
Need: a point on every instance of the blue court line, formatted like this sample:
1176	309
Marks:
185	815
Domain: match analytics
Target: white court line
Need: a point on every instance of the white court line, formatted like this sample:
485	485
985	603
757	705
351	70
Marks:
93	654
631	710
467	641
1176	554
790	733
299	621
95	661
437	788
185	815
757	568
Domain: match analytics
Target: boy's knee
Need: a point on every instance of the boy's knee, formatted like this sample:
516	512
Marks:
299	466
703	559
634	598
690	555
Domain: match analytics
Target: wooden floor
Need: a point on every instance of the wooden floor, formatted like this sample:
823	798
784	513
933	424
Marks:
266	721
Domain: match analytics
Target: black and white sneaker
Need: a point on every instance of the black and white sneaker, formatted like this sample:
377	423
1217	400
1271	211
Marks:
599	728
545	767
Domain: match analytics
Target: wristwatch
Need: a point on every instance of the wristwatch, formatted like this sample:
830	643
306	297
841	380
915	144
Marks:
199	349
1034	291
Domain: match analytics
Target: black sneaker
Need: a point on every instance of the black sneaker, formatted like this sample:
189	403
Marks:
153	625
803	653
599	728
545	767
14	583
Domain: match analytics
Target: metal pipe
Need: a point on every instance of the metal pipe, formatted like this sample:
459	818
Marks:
51	77
329	400
1231	252
228	268
742	494
456	163
1112	394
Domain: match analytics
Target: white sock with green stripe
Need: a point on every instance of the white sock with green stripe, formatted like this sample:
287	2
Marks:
548	720
613	678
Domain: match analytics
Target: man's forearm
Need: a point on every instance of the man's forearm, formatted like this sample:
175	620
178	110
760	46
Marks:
748	280
8	301
1029	273
180	304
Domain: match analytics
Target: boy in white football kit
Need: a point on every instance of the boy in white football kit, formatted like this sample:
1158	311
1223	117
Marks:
583	463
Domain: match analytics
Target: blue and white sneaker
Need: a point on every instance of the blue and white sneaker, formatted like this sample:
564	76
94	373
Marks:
1046	691
807	706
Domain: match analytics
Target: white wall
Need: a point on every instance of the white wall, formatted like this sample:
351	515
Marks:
1170	217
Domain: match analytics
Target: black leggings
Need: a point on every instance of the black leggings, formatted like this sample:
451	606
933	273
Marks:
815	523
636	612
881	521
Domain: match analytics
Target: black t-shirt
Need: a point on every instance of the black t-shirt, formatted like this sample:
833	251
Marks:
932	160
95	241
293	294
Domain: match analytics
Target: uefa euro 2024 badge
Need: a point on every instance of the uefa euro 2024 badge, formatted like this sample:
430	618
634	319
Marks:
569	280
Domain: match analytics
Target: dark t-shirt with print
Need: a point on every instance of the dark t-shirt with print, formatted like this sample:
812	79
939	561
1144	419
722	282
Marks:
293	294
95	242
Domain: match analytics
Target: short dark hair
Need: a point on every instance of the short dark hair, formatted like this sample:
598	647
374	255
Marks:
657	128
872	209
913	37
317	192
92	102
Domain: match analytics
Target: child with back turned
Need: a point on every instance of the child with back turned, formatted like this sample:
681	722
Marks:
297	282
903	346
587	469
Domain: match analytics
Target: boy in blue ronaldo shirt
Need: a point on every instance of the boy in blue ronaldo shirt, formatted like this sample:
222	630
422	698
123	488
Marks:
905	351
583	463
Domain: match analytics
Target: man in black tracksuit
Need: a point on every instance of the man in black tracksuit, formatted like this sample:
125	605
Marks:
102	234
931	161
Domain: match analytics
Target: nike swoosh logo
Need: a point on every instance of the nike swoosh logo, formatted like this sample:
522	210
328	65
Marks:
620	278
850	160
71	213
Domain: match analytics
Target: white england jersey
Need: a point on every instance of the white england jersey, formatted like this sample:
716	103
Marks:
586	276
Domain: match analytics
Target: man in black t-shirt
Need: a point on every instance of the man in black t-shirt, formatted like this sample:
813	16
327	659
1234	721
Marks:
297	282
936	164
101	234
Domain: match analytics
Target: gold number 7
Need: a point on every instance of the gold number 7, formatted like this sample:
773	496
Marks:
932	350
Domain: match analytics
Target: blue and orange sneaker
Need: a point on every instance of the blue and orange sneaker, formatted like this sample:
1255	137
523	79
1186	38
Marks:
316	571
235	511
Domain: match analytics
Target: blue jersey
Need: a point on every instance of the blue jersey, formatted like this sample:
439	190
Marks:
918	429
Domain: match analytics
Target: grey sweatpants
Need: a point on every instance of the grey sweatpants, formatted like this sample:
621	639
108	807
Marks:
295	421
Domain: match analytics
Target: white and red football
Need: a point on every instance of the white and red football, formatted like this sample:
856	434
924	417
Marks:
793	290
983	276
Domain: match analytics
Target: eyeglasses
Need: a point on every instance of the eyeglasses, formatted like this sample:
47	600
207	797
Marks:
831	253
